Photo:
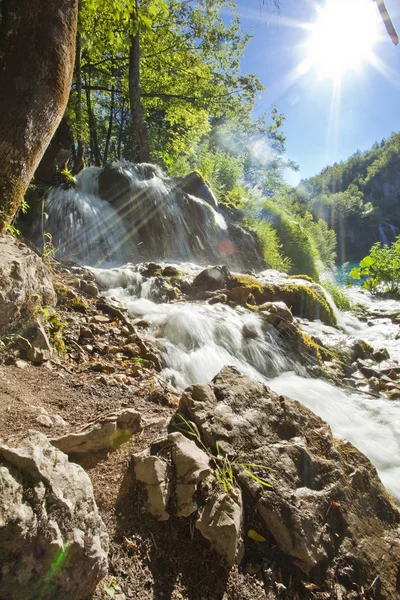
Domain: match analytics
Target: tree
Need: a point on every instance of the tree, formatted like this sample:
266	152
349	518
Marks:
37	51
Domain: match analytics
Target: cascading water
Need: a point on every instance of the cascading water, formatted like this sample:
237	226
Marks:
131	214
135	213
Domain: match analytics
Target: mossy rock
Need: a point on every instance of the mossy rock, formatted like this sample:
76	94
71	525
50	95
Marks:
304	300
195	185
246	281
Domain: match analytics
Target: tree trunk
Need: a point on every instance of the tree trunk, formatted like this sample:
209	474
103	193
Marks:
79	162
110	125
140	131
37	50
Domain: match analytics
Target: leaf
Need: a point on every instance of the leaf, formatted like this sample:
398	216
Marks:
355	273
253	535
110	591
257	479
367	262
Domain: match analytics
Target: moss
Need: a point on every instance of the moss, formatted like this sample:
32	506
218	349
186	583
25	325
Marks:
248	282
304	301
79	304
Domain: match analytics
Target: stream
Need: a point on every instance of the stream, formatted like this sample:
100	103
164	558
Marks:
197	339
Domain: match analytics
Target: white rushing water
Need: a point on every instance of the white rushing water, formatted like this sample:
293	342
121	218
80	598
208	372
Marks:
197	339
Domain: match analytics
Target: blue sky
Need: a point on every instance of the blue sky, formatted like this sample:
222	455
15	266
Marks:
317	135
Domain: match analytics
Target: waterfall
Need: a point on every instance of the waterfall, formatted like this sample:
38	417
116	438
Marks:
382	237
136	213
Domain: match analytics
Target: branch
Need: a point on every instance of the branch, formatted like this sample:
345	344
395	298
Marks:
387	21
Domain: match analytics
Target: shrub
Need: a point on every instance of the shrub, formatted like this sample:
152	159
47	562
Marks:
380	270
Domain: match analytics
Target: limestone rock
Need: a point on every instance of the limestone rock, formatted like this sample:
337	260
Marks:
106	433
24	280
53	543
37	346
220	522
326	502
192	467
153	472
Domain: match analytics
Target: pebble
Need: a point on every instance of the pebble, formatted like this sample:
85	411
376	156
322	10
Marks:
44	420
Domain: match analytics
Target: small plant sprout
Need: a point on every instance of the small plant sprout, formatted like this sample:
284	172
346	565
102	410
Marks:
225	467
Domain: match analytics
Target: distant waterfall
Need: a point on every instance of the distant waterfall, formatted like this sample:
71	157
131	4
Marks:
382	236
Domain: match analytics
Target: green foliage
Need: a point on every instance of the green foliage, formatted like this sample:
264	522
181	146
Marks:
54	325
380	270
270	243
339	298
224	466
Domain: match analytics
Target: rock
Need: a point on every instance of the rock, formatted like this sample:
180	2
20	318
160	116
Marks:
21	364
239	294
100	319
218	299
104	434
170	271
89	287
85	333
44	420
153	473
192	466
274	312
24	280
362	350
381	354
213	278
220	522
131	350
36	343
326	504
306	299
195	185
53	543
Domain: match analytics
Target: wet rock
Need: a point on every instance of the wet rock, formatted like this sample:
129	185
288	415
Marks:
239	294
100	319
106	433
53	543
220	522
362	350
195	185
274	312
24	280
213	278
380	355
36	343
170	271
218	299
316	508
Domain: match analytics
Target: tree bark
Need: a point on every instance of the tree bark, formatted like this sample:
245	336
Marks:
140	131
37	51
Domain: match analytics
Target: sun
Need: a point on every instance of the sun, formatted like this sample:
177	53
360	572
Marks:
342	38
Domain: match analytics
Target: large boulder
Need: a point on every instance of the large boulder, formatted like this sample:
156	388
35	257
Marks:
325	505
195	185
53	543
24	280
